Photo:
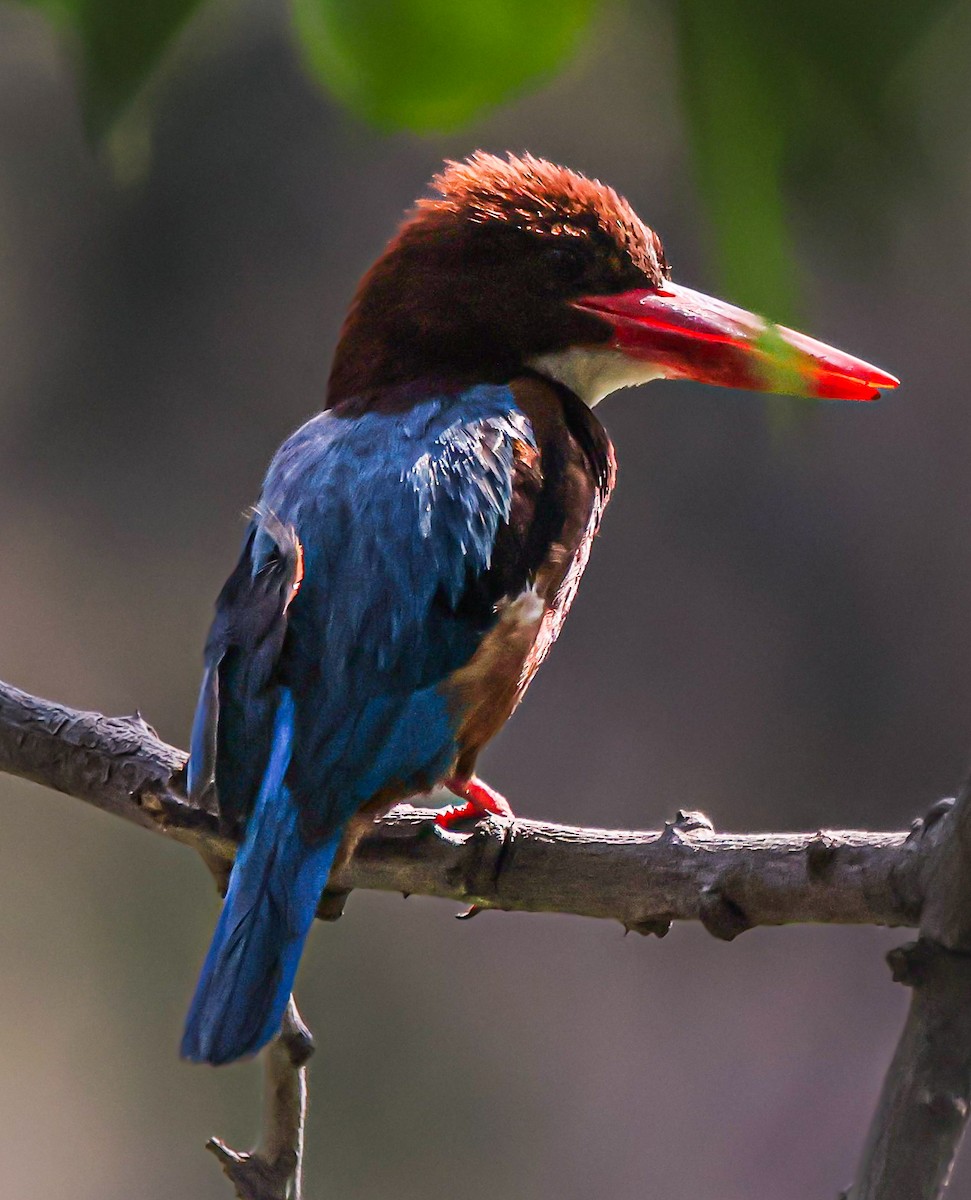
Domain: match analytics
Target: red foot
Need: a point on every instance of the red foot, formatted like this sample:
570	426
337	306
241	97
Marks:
479	799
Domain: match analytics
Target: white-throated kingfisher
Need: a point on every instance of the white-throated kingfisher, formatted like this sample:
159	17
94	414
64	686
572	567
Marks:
417	545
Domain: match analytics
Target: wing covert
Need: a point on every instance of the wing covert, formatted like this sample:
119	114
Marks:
237	698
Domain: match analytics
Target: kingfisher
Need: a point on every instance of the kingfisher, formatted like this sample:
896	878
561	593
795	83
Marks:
417	545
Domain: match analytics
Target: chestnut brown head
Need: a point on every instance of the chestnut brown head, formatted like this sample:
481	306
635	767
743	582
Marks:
517	264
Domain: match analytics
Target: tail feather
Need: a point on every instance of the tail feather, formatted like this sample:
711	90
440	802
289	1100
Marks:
273	894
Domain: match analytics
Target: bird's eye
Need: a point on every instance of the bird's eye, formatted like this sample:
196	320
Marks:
567	259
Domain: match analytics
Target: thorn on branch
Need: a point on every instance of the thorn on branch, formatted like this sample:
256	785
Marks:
690	820
253	1178
658	926
140	723
821	856
911	964
297	1038
720	915
934	815
908	964
685	822
331	906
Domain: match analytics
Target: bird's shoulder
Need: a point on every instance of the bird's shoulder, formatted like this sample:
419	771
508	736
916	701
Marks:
391	430
414	473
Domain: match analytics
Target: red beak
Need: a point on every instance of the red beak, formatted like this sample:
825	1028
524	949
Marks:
688	335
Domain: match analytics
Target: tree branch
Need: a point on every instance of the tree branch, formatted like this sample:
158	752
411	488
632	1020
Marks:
274	1170
923	1108
729	882
687	871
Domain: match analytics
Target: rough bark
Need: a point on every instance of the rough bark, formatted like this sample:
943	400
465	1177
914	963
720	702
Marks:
687	871
274	1169
923	1108
645	880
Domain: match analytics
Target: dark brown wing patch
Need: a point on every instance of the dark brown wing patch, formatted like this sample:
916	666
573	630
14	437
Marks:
560	491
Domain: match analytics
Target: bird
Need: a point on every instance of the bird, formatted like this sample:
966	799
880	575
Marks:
417	545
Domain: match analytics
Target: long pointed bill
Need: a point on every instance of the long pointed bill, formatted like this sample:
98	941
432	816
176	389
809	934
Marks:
689	335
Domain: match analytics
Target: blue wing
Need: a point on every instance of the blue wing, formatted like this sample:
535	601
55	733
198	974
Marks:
239	694
318	700
398	514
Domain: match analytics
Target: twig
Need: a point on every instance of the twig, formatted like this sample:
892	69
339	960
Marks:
273	1170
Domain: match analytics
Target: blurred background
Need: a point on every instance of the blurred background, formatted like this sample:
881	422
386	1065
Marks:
774	627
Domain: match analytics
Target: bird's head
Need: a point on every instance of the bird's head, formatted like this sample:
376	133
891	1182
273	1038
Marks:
519	264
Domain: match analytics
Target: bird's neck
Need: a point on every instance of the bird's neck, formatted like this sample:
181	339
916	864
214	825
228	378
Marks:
593	372
373	359
375	356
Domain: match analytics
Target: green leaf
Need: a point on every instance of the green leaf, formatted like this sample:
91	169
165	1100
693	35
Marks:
119	44
434	65
787	103
738	144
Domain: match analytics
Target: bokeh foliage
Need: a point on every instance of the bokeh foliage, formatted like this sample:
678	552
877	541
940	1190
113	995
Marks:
434	65
763	85
118	45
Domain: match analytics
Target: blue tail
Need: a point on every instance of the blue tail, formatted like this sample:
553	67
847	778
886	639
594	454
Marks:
273	894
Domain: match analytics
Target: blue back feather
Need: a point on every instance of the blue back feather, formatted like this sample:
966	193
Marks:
398	512
313	704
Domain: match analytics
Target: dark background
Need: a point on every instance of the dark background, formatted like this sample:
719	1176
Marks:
774	628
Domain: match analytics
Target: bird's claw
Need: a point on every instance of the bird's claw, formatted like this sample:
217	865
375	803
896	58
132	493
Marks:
454	814
479	798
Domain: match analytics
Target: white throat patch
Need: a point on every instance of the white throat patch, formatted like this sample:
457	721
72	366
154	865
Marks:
592	373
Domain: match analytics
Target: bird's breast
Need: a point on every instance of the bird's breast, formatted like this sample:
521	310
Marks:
560	489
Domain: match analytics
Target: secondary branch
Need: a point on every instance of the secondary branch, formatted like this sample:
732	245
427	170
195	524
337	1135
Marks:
923	1108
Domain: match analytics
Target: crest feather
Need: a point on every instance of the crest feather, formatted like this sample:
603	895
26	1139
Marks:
540	197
